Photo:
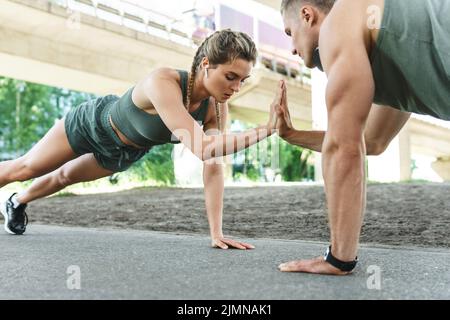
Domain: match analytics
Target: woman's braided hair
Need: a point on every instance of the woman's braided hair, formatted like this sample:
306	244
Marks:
221	47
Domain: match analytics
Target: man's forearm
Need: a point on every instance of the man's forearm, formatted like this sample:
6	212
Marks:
311	140
344	178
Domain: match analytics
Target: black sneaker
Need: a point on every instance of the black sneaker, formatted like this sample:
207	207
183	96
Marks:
16	220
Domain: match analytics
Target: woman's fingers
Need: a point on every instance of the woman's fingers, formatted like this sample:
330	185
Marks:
247	245
234	244
225	243
219	244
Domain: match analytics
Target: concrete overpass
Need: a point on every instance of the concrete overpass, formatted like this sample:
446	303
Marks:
44	42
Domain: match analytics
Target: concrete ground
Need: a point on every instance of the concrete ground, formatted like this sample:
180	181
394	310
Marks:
79	263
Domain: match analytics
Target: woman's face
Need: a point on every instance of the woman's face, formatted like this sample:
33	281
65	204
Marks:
224	80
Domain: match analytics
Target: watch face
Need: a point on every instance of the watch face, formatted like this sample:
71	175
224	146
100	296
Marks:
316	59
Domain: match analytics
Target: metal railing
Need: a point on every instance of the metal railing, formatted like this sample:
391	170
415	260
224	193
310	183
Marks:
288	67
135	17
145	20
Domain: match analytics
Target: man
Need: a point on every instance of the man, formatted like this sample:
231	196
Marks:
383	59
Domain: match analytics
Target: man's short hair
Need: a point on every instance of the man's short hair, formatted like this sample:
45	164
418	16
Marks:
323	5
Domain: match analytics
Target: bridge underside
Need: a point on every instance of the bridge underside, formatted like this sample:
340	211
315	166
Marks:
44	43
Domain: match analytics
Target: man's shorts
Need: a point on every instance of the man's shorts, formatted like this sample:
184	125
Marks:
89	131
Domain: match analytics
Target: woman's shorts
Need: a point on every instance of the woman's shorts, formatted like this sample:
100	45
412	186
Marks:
89	131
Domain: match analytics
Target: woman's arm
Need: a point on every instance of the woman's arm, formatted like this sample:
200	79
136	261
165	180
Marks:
165	94
213	181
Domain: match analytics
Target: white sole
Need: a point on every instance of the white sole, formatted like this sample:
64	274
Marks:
5	215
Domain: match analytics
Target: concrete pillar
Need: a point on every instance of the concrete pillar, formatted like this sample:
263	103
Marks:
187	167
319	113
404	140
394	164
385	167
442	167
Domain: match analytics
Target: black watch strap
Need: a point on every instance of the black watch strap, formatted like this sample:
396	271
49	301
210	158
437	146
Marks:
345	266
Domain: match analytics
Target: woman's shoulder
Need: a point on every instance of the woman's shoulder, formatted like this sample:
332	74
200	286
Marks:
156	76
166	73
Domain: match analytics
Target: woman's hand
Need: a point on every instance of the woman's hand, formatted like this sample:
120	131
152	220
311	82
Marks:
284	123
275	107
225	243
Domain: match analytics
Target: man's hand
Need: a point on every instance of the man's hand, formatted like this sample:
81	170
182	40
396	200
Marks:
284	124
317	265
225	243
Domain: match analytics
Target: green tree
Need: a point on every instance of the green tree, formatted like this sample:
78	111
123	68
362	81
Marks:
28	111
294	162
156	165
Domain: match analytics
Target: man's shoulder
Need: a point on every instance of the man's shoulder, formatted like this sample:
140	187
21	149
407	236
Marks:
346	23
347	12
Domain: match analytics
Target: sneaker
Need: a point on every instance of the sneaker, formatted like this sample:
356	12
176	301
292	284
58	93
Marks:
16	219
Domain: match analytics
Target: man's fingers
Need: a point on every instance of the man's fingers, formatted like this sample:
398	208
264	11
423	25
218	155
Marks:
280	92
284	100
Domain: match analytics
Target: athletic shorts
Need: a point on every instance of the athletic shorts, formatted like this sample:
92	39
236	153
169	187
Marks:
89	131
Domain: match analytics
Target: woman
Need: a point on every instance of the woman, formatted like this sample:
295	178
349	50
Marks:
107	135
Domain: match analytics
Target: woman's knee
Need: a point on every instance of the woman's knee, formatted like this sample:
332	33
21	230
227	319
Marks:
65	177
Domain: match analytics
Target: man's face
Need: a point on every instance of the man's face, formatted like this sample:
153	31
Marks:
298	24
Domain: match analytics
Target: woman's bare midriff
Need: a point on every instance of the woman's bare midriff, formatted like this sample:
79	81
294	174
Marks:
122	137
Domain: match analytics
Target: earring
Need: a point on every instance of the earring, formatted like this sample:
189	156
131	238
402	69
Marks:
206	73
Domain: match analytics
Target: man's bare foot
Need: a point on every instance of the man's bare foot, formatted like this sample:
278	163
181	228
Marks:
317	265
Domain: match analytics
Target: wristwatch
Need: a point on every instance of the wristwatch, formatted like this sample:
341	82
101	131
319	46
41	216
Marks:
345	266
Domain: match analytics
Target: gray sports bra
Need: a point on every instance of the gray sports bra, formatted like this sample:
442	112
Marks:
144	129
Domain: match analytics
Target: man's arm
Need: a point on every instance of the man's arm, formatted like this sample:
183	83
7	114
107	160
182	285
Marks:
349	97
383	124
